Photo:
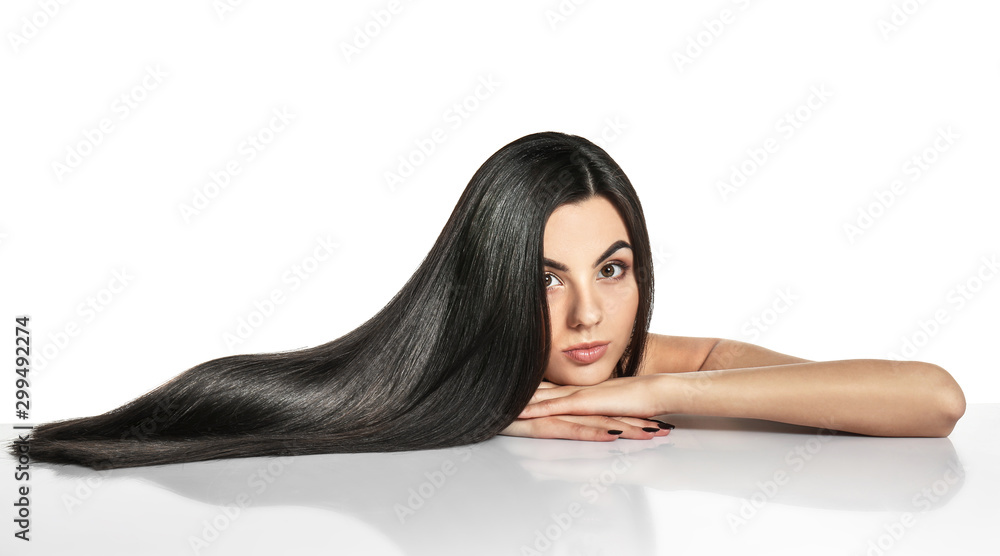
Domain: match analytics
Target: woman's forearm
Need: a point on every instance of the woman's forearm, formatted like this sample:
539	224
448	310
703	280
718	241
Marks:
866	396
734	354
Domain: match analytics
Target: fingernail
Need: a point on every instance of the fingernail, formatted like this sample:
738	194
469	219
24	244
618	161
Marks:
650	429
662	424
614	432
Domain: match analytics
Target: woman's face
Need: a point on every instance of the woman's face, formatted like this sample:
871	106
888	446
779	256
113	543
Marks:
592	293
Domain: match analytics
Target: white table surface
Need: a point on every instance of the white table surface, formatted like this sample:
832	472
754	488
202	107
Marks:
712	486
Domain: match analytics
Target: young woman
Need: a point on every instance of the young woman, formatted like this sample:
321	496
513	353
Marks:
593	297
543	271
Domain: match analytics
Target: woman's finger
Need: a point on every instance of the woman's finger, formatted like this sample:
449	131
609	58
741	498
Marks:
556	428
631	427
648	425
570	430
562	405
585	427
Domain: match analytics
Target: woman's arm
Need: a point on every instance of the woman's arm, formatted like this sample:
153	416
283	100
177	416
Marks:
734	354
866	396
684	354
737	379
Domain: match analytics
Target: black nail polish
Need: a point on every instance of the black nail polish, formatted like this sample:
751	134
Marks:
614	432
662	424
650	429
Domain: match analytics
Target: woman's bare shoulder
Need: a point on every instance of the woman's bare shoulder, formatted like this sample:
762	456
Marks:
675	354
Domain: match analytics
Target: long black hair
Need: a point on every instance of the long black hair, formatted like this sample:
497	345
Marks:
451	359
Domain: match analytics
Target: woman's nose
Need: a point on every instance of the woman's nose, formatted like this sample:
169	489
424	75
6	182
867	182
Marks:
586	308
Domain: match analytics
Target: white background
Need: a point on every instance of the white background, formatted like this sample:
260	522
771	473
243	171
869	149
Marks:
609	72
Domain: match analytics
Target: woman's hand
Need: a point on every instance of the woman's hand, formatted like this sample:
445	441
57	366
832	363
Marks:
585	427
580	426
637	396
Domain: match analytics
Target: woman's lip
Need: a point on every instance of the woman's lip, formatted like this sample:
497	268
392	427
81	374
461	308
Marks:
587	355
587	345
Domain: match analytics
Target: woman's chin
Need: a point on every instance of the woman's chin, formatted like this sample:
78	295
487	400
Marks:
578	377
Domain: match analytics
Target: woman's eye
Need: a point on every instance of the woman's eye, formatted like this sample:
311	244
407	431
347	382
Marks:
605	268
610	267
613	275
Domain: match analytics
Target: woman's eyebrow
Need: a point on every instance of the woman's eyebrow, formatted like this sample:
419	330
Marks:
607	253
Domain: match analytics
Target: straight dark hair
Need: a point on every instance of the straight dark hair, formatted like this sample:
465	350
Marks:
451	359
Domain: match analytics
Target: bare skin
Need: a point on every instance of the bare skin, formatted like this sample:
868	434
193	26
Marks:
592	296
865	396
700	376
